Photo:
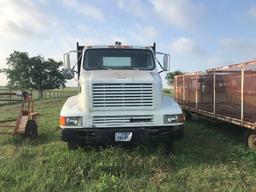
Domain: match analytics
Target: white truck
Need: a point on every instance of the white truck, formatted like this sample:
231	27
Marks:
120	99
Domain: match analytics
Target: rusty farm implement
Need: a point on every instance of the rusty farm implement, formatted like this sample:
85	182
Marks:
26	122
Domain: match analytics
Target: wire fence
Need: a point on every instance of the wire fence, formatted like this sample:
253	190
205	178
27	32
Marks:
7	96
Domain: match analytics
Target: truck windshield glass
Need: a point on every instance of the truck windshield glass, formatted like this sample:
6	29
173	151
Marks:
104	59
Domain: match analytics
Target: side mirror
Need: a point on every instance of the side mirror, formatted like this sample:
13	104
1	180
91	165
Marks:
66	60
68	73
166	62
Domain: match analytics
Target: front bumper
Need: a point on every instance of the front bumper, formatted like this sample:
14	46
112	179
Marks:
107	135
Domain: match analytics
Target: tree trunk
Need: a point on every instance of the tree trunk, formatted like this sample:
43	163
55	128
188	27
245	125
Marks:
41	94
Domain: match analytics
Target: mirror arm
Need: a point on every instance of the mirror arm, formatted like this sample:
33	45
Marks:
159	64
160	53
161	71
76	63
73	51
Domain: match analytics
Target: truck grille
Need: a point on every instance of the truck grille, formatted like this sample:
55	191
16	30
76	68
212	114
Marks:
124	120
122	95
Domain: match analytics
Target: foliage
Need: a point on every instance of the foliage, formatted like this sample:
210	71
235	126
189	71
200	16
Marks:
211	157
167	91
170	76
36	73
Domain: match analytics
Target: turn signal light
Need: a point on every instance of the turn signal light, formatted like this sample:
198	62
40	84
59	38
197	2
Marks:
181	118
62	121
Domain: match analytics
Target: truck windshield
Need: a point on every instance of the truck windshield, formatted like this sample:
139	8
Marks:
104	59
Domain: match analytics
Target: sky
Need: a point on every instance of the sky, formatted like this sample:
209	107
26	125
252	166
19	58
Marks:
198	34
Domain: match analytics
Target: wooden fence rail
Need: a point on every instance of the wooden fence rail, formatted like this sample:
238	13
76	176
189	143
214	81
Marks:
9	95
57	94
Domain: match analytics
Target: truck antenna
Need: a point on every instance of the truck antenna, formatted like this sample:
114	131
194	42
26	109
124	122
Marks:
154	47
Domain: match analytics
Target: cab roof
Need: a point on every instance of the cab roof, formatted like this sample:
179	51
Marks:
118	47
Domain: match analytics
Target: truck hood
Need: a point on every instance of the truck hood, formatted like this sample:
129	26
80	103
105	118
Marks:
112	76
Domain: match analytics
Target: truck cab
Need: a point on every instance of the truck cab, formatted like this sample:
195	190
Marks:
120	99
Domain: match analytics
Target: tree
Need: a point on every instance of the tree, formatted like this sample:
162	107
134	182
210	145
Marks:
170	76
26	72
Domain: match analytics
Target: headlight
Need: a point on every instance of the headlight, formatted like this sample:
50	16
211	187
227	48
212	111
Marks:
70	121
173	118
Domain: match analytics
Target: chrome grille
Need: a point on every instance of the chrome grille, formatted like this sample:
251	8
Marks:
103	121
122	95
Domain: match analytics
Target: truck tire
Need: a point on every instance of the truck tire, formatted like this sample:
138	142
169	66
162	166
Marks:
31	130
168	147
250	138
188	115
73	146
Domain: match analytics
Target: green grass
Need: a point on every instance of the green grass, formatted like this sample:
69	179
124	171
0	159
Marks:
211	157
167	91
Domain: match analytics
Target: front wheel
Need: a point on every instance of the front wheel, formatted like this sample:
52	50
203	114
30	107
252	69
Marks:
73	146
168	147
31	131
250	138
188	115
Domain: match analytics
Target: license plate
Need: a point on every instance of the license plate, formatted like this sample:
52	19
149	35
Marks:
123	136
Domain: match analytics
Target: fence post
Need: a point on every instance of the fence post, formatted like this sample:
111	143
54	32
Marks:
196	90
214	92
183	87
242	94
175	87
31	92
10	96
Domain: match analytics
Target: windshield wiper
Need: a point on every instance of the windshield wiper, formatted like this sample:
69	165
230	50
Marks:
108	68
134	68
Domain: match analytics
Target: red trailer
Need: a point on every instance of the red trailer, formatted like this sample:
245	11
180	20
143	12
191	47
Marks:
224	93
